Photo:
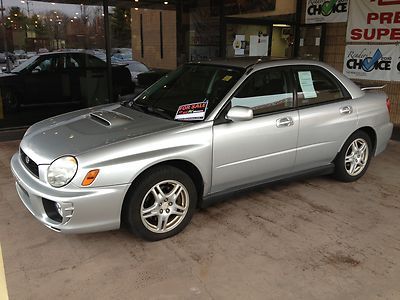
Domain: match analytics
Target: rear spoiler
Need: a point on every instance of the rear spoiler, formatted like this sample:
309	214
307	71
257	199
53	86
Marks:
366	87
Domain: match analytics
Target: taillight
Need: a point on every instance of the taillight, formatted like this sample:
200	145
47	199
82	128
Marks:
388	104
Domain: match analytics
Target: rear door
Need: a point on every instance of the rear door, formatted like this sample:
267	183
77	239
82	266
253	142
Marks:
246	152
327	115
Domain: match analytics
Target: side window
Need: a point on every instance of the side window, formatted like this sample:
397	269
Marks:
94	62
265	91
72	62
48	64
316	86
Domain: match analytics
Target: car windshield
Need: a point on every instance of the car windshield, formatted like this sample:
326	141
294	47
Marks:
189	93
25	64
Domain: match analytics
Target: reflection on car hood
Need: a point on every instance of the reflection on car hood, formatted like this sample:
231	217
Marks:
81	131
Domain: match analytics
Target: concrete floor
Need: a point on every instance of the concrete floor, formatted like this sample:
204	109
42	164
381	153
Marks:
310	239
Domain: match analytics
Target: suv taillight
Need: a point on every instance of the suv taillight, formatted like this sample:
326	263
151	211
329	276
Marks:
388	104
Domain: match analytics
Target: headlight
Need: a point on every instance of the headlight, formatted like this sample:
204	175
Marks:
62	170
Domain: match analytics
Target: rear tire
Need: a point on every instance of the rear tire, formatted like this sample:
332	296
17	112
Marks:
353	160
161	204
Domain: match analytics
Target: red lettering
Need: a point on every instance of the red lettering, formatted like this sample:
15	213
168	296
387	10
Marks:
386	16
395	35
372	17
387	2
382	32
356	34
396	18
371	36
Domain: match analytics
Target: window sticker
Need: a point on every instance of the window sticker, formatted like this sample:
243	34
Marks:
307	85
227	78
192	111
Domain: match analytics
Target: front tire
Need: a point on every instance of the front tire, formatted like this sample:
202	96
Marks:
161	203
10	100
353	160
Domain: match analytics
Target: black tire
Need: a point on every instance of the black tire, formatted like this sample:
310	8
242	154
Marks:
11	100
343	169
140	197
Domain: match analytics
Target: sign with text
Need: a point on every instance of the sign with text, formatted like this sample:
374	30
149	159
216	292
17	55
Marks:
374	21
326	11
372	62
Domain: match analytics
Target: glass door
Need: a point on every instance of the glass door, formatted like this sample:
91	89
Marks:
310	41
282	41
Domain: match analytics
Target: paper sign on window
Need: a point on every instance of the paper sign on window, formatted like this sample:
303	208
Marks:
307	85
191	111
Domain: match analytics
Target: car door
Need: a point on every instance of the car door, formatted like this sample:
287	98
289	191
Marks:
327	116
42	81
246	152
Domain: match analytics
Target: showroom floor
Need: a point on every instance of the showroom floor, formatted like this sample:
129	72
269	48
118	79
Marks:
310	239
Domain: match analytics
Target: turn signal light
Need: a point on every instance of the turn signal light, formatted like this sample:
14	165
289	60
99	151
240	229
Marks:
90	177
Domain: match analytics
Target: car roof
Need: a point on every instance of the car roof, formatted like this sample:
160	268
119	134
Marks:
240	62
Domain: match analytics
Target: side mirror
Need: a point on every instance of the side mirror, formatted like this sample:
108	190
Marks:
239	113
36	70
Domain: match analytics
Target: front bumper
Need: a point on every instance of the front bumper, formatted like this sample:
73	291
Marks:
84	209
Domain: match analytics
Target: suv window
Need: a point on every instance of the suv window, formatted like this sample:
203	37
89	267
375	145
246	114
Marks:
265	91
316	86
94	62
47	64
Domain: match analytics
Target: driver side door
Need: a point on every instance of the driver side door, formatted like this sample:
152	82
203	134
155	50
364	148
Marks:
253	151
43	82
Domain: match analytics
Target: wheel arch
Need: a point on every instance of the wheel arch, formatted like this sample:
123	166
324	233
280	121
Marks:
188	167
369	131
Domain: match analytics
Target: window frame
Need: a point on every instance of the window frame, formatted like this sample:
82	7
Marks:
297	68
220	117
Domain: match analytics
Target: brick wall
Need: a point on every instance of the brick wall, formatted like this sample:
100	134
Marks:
151	38
334	55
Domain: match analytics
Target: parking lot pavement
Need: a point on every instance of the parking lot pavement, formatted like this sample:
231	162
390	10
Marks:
310	239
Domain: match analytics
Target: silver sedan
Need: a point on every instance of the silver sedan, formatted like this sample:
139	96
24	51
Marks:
200	132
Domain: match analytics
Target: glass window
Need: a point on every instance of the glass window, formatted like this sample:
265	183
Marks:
94	62
190	84
316	86
49	64
265	91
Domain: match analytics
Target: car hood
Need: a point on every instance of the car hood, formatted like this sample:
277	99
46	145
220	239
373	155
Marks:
7	75
85	130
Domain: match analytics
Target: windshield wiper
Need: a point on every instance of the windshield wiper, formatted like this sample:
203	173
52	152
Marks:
132	104
159	112
147	109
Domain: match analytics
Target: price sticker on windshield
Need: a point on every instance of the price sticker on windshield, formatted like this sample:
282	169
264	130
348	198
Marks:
192	111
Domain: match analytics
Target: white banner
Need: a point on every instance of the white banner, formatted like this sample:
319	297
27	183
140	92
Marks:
374	21
372	62
326	11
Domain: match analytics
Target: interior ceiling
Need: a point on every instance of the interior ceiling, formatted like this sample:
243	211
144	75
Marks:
151	4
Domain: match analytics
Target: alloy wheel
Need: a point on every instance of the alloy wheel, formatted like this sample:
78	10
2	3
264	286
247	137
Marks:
356	157
164	206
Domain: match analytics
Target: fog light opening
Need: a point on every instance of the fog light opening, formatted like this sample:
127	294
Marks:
59	209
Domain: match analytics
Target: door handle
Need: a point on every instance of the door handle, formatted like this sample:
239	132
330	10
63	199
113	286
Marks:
346	110
284	122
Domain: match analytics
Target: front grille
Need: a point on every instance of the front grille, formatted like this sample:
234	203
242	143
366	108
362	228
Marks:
29	163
